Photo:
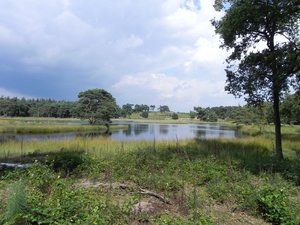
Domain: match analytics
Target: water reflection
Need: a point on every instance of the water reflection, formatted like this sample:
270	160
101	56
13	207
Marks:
144	131
94	134
137	131
163	129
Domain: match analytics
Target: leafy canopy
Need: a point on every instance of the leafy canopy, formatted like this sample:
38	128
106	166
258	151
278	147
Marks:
98	106
262	36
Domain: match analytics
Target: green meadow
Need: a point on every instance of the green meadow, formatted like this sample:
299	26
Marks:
104	181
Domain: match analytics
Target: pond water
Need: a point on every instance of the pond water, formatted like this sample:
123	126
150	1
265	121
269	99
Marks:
145	131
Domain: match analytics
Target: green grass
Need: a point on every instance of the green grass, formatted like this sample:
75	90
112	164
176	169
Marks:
217	181
44	126
44	129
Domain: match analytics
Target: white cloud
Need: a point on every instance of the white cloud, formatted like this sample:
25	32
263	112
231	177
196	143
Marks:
131	42
165	50
65	3
180	95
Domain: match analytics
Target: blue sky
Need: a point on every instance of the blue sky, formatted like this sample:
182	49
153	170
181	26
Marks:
142	52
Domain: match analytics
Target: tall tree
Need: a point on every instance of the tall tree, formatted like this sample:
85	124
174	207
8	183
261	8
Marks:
201	113
152	107
98	106
164	108
264	61
290	109
127	110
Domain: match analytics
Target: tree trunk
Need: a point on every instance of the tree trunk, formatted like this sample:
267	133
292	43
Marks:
107	128
277	123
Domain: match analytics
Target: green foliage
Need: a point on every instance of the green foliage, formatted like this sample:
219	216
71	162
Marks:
265	74
290	109
167	219
248	115
97	106
201	113
212	117
127	110
175	116
66	161
152	107
69	205
16	204
273	205
141	108
198	176
41	177
198	218
15	107
163	108
192	114
145	114
206	114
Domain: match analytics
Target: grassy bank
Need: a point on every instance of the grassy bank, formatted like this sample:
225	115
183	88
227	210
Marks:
99	181
44	126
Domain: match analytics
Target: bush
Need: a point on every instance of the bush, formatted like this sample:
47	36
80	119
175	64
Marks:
273	205
192	115
145	114
66	161
175	116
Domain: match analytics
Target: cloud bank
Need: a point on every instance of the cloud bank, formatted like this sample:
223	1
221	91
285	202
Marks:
154	52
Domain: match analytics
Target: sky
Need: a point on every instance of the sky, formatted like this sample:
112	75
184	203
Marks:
155	52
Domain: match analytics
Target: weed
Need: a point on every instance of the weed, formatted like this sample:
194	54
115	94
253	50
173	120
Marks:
273	205
16	204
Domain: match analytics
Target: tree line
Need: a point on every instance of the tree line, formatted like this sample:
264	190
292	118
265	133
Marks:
14	107
264	114
289	110
21	107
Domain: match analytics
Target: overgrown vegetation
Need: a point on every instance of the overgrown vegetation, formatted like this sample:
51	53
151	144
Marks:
100	181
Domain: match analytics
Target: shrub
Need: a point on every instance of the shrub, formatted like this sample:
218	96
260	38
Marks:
273	205
192	114
66	161
145	114
175	116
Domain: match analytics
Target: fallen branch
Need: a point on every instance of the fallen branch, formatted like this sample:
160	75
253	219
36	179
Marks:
146	192
89	184
14	165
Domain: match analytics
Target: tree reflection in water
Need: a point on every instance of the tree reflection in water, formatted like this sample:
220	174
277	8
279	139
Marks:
143	131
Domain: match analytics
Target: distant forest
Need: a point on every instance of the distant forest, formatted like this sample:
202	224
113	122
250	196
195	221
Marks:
289	109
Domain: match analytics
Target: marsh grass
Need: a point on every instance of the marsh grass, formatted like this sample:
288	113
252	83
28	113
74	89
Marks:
38	125
35	120
44	129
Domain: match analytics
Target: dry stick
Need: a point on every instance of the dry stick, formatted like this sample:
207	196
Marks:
146	192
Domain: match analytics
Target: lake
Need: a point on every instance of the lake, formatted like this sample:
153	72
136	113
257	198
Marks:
145	131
